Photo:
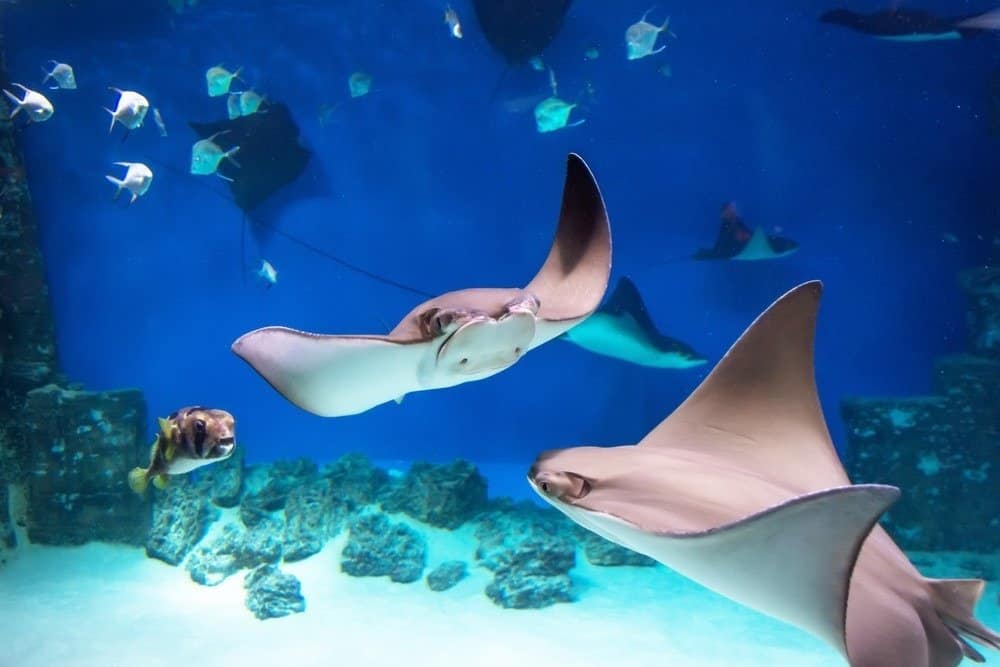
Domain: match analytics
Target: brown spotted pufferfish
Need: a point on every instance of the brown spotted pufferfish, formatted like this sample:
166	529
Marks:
189	438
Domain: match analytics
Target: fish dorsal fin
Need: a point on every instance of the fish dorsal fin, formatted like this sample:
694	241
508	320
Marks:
759	408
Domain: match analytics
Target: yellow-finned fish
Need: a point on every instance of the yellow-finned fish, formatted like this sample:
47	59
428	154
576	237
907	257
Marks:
189	438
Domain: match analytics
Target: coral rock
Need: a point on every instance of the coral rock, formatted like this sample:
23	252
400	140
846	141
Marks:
272	593
378	547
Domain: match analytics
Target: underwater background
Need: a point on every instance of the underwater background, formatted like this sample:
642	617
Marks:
400	532
874	156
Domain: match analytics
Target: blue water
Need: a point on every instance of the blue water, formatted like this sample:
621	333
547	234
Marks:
867	153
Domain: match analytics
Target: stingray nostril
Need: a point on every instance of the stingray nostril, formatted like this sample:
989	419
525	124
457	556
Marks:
517	351
464	360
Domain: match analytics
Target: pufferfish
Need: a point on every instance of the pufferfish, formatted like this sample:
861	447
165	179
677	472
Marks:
189	438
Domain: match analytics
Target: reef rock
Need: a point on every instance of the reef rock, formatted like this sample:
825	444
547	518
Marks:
223	481
236	549
8	539
530	552
272	593
181	517
311	518
445	496
268	491
939	449
446	575
600	551
378	547
355	481
79	448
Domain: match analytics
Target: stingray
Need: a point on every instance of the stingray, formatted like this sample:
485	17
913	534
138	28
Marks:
520	29
741	490
913	25
738	242
454	338
270	154
622	329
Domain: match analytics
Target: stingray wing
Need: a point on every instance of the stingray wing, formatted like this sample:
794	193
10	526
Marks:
758	410
792	561
333	376
572	281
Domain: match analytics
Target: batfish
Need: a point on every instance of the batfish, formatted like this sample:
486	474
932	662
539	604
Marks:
454	338
741	490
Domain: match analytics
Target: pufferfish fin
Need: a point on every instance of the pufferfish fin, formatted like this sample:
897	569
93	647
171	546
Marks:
137	480
161	481
166	427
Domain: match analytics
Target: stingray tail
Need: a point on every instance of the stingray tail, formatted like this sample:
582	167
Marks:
243	249
955	601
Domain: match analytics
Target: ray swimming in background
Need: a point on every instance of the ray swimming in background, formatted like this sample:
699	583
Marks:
622	329
738	242
454	338
741	490
520	29
913	25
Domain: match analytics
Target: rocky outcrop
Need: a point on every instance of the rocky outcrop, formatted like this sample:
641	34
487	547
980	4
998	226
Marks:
940	448
447	575
181	517
81	447
236	548
222	482
313	515
445	496
272	593
530	552
379	547
8	539
355	481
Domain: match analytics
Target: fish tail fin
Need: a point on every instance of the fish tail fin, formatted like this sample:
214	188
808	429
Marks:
113	119
955	601
231	152
17	103
138	481
161	481
117	182
47	73
236	74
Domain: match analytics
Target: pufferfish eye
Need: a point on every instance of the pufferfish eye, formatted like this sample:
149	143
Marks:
199	426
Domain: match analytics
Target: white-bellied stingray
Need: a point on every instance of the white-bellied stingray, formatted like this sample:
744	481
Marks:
913	25
738	242
520	29
622	329
454	338
270	158
741	490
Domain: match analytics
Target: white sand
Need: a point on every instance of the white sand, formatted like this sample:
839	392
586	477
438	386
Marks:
108	605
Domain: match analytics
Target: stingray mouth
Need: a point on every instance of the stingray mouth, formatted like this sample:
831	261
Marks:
563	486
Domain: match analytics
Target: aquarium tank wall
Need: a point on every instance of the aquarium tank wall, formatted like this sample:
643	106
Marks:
498	330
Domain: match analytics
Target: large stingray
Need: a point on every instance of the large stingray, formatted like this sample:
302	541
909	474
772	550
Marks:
741	490
520	29
622	329
454	338
270	155
738	242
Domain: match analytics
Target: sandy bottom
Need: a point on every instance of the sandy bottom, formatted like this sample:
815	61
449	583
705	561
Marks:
110	605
